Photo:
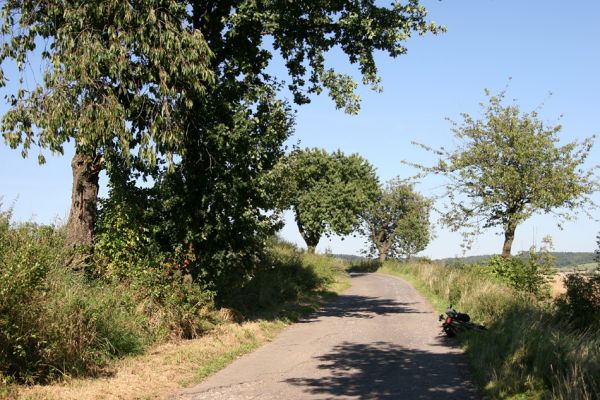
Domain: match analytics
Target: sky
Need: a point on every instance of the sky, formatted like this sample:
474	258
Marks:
544	46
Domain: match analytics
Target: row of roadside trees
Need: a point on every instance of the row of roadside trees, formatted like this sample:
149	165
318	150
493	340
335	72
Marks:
506	167
179	92
339	194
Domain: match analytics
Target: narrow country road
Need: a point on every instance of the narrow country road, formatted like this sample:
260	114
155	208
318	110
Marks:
379	340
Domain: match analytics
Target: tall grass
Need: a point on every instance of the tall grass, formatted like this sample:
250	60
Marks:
528	351
286	275
56	321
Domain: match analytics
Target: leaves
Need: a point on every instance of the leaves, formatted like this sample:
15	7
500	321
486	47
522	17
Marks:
397	223
112	74
326	191
508	166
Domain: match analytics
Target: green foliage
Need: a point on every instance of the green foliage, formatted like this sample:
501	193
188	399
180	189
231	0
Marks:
581	302
528	350
188	79
131	249
508	167
562	260
111	79
184	84
285	275
529	272
53	321
327	192
397	222
215	199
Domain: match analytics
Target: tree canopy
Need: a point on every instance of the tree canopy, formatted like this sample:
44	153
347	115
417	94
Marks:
397	223
509	165
118	73
136	85
327	192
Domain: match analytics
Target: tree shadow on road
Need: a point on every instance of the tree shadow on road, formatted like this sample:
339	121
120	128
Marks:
382	370
354	306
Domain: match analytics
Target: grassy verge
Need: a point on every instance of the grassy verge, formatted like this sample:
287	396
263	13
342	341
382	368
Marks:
167	367
528	351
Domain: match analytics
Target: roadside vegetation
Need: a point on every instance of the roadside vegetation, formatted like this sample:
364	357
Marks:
59	323
177	103
535	347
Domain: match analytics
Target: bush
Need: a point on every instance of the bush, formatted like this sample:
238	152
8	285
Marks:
54	321
581	302
128	253
285	274
529	273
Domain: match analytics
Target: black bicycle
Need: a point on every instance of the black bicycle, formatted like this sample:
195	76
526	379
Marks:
455	321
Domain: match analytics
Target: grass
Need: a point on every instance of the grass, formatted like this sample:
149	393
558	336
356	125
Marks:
528	351
165	368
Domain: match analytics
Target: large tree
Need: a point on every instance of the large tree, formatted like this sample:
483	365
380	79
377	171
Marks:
115	77
191	79
327	192
397	223
508	166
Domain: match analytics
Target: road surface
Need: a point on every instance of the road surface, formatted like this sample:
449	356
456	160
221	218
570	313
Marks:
378	340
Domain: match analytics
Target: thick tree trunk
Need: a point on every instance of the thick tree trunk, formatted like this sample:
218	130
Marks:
84	199
382	256
509	237
312	240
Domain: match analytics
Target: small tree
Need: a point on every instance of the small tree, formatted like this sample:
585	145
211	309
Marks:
327	192
508	167
397	223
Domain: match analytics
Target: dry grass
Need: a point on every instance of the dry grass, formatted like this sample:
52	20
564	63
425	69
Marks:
558	285
165	368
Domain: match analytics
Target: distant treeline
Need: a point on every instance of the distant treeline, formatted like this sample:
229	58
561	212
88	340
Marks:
562	259
348	257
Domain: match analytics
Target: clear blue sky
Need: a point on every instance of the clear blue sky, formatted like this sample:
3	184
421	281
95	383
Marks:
544	45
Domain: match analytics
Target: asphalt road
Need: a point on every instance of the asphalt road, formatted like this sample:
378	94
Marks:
379	340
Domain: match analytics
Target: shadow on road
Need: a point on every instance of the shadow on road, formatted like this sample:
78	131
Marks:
382	370
355	306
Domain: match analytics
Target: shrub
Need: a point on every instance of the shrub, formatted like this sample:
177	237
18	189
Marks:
285	274
581	302
128	253
529	273
53	320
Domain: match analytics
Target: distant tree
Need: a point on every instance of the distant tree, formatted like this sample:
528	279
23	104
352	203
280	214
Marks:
327	192
397	223
507	167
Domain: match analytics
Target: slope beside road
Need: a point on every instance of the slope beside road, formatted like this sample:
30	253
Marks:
378	340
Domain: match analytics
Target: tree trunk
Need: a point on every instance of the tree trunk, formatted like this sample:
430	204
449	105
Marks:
509	237
382	256
312	240
84	198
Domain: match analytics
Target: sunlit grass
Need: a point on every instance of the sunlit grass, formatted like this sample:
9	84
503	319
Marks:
528	351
